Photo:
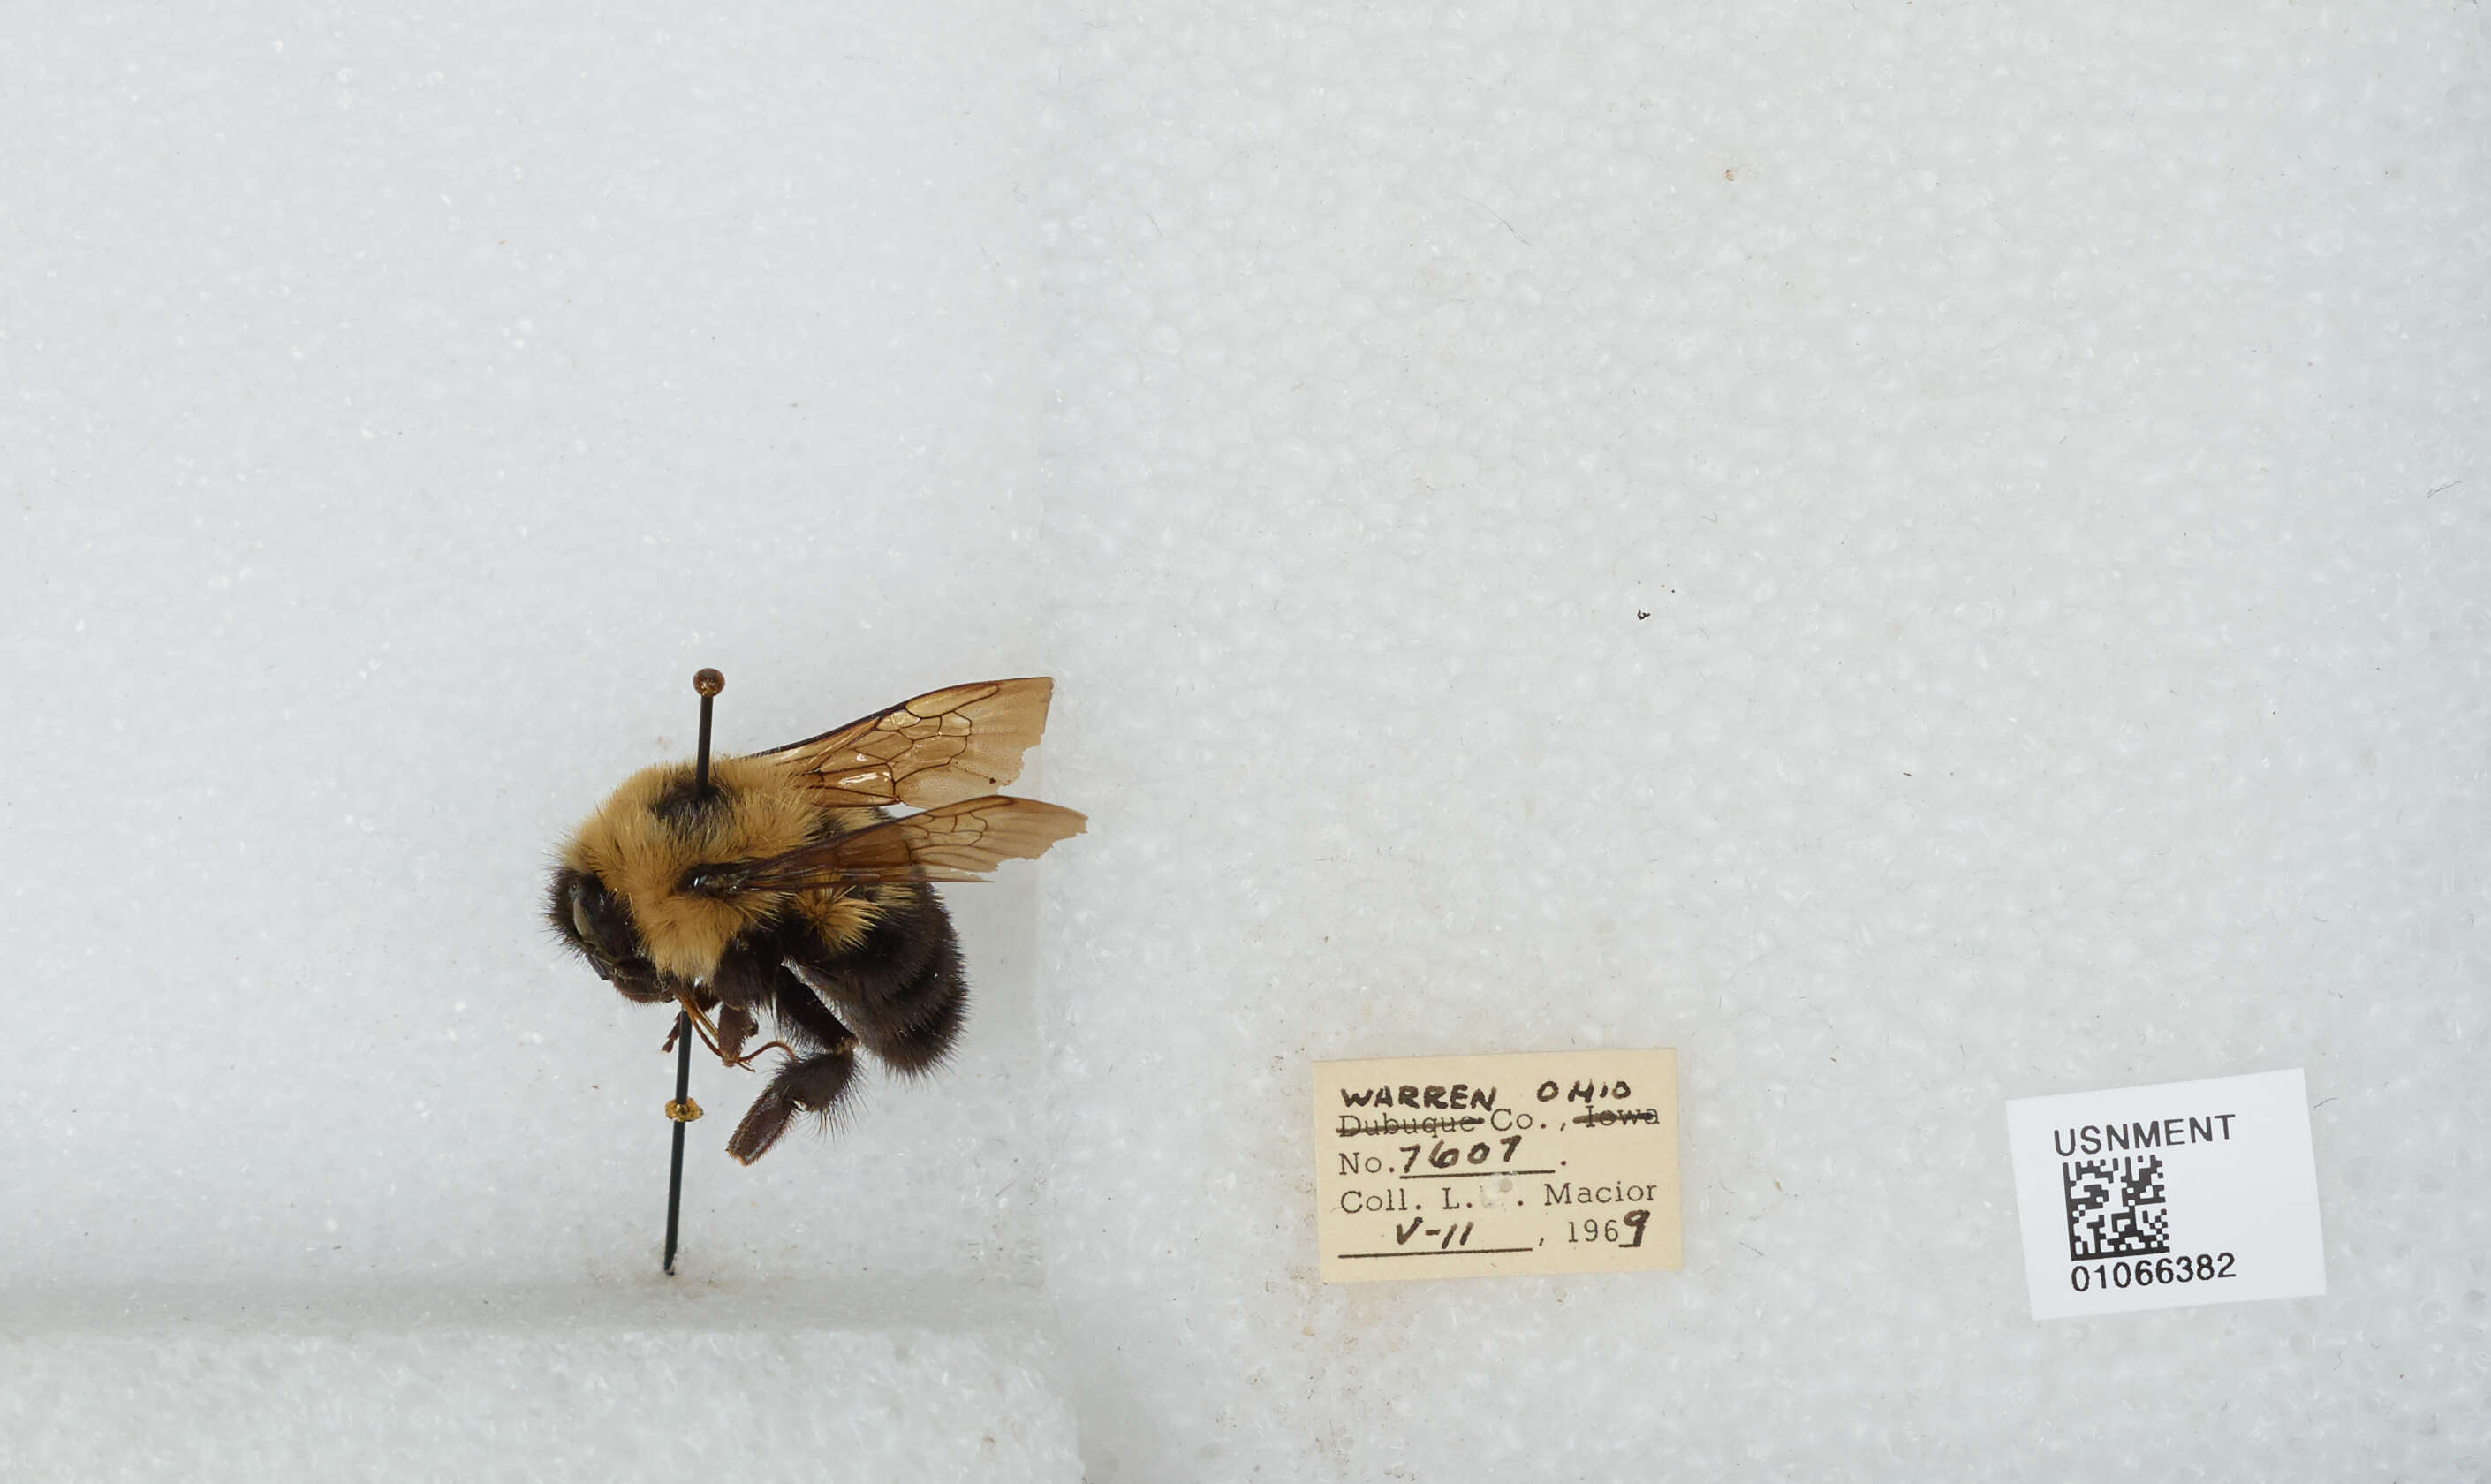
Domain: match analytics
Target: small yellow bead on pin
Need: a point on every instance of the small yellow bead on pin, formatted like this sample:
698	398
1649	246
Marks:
684	1112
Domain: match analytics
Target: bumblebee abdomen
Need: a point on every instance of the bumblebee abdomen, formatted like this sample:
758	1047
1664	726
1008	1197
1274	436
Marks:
900	987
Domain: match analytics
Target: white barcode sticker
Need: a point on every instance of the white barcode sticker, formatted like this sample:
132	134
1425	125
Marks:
2167	1196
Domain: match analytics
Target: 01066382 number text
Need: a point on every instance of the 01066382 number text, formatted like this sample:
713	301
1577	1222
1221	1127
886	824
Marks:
2145	1272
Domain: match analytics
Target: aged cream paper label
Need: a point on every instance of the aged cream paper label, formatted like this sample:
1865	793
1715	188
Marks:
2160	1197
1470	1167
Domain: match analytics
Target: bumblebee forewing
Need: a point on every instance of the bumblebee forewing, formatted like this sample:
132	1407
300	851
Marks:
941	748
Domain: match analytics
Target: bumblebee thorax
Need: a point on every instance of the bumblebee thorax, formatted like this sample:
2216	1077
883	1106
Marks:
654	829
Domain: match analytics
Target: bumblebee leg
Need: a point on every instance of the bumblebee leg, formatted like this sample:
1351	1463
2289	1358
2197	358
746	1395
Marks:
812	1079
735	1026
747	973
804	1019
902	987
702	1000
763	1122
809	1085
701	1023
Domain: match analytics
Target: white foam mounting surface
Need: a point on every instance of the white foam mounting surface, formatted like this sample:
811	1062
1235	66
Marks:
1917	554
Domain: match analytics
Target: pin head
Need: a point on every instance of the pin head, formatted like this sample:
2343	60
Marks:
708	682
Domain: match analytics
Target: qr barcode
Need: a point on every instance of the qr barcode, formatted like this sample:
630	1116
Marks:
2114	1207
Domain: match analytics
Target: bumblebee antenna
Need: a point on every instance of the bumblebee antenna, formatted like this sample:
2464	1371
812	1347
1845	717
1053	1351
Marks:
683	1110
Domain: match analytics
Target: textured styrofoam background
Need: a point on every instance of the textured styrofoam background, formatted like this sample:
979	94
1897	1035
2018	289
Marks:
400	411
1919	554
622	1381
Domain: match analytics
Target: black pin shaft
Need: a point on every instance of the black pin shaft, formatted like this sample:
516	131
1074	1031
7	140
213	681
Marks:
675	1173
709	683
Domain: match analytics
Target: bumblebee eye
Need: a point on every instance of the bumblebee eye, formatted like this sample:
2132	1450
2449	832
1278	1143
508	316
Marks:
587	908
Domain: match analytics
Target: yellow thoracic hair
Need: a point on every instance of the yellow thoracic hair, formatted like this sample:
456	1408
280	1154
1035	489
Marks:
642	857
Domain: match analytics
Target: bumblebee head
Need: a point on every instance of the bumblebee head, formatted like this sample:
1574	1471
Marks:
596	922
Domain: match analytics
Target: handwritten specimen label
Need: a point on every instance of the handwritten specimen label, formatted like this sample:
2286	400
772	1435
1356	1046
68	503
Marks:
1470	1167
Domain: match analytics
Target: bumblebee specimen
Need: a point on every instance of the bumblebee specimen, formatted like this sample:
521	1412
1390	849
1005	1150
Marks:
785	887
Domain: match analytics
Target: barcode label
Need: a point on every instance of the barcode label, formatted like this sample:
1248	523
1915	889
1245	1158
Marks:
2116	1208
2160	1197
